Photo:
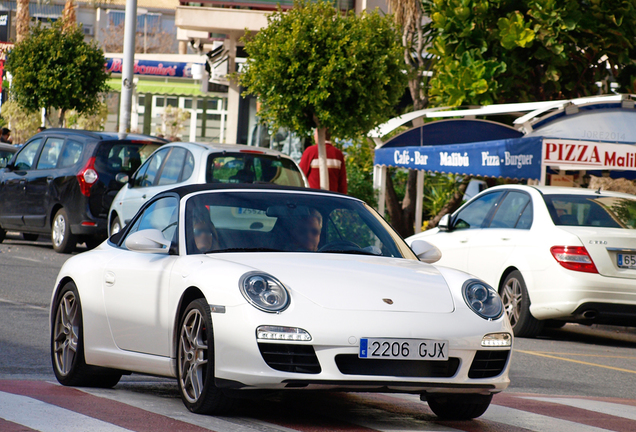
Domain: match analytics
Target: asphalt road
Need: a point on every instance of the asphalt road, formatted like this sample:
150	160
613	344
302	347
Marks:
576	360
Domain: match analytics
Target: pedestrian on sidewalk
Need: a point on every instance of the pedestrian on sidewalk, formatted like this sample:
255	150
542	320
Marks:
335	165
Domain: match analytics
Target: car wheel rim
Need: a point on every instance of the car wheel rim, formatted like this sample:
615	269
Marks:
512	299
193	353
59	230
65	333
115	228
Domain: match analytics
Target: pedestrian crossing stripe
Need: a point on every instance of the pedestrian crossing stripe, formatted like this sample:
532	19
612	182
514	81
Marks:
27	406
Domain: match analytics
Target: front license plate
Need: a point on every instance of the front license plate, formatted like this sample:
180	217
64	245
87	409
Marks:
404	349
626	261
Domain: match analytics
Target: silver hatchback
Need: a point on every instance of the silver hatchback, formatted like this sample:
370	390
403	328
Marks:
182	163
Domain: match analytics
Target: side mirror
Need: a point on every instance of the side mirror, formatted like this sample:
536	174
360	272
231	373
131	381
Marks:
122	178
444	223
425	251
148	241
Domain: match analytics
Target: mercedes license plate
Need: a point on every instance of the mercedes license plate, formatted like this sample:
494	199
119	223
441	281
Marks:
404	349
626	261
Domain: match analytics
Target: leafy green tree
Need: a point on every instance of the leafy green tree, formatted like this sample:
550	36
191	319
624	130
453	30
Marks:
359	161
54	68
513	51
526	50
315	67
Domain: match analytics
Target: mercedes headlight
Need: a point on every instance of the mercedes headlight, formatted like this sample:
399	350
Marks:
482	299
264	292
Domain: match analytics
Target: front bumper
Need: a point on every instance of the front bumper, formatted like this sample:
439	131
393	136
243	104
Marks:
240	364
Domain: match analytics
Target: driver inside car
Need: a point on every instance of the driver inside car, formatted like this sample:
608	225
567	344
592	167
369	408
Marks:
305	232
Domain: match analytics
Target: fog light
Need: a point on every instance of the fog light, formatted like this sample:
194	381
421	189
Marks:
497	340
282	333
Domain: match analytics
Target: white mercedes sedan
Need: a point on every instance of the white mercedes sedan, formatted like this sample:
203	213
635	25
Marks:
232	289
555	255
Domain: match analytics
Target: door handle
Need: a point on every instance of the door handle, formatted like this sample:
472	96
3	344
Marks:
464	240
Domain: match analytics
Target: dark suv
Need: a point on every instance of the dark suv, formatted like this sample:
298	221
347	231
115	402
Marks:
62	182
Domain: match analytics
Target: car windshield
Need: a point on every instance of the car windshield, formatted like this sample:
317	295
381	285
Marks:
252	168
592	211
259	221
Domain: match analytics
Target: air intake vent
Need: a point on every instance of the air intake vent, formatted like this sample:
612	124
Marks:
290	357
351	364
487	364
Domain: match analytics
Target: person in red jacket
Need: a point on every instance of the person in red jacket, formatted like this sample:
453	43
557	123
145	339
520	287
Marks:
335	165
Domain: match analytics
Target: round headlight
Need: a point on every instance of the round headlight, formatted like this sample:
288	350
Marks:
264	292
482	299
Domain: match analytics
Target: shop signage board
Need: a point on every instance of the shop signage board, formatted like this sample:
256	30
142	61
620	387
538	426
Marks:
588	155
166	69
510	158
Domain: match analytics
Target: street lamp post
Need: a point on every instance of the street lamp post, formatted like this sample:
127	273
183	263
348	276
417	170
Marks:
130	25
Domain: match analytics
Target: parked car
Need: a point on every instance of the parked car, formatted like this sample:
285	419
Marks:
556	255
6	153
62	182
317	292
183	163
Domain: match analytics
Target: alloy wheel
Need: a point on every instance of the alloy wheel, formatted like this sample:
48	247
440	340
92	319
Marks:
512	297
66	330
59	230
193	355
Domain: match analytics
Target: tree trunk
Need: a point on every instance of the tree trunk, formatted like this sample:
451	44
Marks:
321	134
61	119
402	214
408	15
23	19
68	15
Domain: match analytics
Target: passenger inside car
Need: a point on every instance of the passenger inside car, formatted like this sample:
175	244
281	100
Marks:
206	239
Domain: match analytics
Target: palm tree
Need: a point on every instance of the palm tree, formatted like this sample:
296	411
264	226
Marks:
409	17
23	18
68	15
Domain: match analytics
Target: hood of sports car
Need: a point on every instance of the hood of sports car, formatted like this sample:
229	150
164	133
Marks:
356	282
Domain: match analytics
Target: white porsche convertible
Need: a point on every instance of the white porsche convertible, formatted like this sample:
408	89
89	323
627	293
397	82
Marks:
235	289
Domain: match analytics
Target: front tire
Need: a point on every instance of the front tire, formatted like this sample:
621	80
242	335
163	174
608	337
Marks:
195	358
514	295
61	237
458	406
67	345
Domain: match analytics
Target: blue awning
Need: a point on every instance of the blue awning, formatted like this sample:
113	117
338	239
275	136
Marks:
455	131
515	158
